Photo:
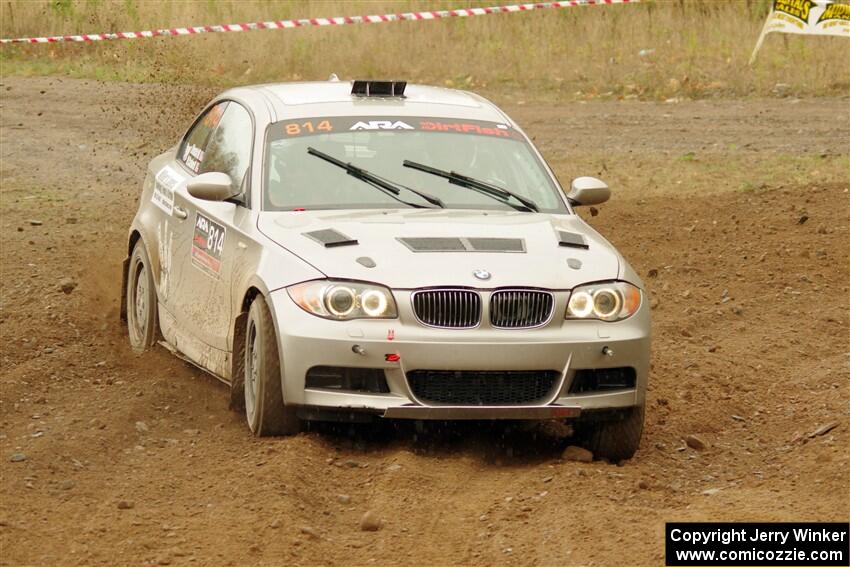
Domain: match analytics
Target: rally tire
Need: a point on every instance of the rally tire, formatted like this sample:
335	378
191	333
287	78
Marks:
141	301
265	410
615	440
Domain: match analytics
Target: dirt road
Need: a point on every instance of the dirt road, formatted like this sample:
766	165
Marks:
111	459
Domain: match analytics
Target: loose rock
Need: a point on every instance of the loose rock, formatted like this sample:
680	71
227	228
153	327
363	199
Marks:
824	429
18	457
34	222
125	505
141	427
575	453
343	499
370	522
308	531
695	442
67	285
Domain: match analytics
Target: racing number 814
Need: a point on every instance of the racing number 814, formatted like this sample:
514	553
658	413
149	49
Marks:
294	128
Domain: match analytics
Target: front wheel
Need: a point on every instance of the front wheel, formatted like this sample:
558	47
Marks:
614	440
265	409
141	301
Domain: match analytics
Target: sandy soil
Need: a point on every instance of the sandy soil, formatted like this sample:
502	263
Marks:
108	458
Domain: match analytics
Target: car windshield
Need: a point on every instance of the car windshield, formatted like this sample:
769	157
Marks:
493	153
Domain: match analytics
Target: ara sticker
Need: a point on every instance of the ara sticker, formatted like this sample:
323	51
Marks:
381	125
207	245
163	189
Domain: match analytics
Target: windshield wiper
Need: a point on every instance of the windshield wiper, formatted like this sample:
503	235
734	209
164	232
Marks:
482	187
391	189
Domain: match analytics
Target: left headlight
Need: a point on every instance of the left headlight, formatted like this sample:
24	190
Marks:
342	300
607	301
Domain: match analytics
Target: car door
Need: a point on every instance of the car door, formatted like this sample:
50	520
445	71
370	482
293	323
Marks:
205	242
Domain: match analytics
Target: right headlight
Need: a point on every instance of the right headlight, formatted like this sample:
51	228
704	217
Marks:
606	301
344	300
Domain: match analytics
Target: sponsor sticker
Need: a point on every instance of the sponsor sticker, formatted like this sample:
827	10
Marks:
328	125
193	156
207	245
381	125
163	189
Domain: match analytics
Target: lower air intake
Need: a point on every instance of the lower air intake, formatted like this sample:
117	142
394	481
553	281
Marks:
482	387
371	380
602	379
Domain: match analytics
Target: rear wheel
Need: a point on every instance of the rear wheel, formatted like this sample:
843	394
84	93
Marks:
265	410
142	322
614	440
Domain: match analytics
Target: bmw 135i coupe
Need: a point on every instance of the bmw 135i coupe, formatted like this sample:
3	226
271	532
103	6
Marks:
372	249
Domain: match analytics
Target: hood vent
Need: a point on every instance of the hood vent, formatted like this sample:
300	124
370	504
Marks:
572	240
443	244
497	244
330	238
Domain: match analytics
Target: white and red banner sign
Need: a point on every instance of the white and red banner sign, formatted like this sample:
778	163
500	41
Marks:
306	22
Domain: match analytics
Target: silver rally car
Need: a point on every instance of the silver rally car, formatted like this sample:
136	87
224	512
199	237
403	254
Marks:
346	250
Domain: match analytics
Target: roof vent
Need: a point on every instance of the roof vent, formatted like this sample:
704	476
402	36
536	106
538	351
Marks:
378	88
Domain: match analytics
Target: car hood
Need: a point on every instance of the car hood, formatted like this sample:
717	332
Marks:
389	247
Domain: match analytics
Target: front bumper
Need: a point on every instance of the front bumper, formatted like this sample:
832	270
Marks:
565	346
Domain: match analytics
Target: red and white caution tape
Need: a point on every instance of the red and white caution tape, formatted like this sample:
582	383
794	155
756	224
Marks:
338	21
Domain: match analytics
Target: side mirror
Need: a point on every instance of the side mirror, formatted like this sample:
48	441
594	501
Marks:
588	191
212	186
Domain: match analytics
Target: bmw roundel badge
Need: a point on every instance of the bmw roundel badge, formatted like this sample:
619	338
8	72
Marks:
481	274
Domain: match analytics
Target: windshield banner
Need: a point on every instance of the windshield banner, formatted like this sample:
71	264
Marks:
353	124
808	17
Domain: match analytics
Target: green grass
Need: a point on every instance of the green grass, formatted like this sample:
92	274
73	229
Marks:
651	51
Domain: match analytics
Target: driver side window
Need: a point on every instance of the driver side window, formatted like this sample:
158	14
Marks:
221	141
192	150
229	146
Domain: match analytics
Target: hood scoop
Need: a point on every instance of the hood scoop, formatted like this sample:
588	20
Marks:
449	244
330	238
572	240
